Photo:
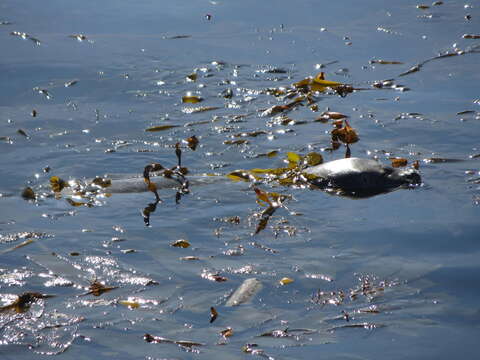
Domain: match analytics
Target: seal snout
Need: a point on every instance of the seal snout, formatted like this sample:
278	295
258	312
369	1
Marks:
411	177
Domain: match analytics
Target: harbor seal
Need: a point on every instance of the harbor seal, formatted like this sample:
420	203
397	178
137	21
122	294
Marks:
361	177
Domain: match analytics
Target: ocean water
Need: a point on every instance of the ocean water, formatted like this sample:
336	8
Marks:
393	276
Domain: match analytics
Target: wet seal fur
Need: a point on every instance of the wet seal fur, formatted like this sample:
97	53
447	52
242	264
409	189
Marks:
358	177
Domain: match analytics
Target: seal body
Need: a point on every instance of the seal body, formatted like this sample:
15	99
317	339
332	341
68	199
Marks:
353	177
361	177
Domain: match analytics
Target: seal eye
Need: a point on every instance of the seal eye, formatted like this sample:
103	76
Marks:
387	171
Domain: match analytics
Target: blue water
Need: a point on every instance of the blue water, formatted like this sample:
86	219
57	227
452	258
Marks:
419	246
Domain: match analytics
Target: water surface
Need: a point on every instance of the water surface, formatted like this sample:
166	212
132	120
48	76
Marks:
414	252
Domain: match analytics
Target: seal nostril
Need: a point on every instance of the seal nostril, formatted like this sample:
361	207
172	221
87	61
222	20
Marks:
414	178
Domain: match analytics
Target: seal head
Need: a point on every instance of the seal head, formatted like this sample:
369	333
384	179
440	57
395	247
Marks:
361	177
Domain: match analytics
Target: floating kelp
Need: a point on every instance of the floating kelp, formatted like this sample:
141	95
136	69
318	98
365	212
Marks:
434	160
189	258
251	133
161	340
291	175
253	349
212	276
191	99
200	109
70	83
345	134
135	302
264	248
236	142
97	288
226	333
385	62
8	238
182	243
26	36
455	52
288	333
22	244
160	128
285	121
23	302
213	314
319	84
28	193
273	201
174	37
44	92
398	162
285	281
331	115
78	37
276	109
411	115
192	77
23	133
465	112
363	325
192	142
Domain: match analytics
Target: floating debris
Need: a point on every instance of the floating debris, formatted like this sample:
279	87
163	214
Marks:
245	292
